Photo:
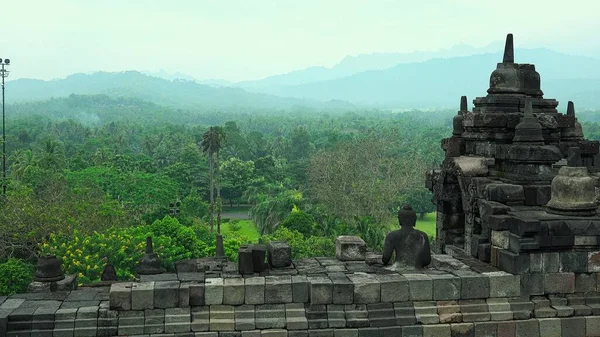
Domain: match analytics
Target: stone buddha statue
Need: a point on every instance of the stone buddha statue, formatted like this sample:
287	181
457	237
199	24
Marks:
410	245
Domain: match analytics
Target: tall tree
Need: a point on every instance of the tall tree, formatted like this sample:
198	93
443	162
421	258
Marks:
211	144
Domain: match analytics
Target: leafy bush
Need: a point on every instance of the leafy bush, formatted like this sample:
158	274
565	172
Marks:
85	255
302	247
235	226
300	221
15	276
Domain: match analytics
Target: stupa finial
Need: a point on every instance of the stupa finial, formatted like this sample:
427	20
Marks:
570	109
509	50
463	104
149	248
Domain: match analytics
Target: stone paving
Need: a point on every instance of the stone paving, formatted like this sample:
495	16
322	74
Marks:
457	296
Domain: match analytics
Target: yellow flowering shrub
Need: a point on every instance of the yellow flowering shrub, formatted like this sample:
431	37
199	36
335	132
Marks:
86	255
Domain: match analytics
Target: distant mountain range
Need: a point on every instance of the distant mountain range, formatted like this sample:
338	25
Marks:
440	82
176	93
390	81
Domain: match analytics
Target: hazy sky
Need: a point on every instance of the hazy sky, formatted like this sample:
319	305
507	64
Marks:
249	39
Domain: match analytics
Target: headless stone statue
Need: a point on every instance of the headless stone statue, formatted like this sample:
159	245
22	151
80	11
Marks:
411	245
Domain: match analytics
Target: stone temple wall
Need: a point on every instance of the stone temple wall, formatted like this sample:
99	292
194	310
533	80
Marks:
322	297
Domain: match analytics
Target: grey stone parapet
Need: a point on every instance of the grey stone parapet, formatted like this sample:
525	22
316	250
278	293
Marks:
324	297
557	315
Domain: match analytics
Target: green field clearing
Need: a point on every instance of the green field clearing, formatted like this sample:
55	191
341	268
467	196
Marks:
248	228
427	224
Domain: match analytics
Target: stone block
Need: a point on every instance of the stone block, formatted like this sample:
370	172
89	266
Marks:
550	327
357	315
474	310
592	326
222	318
166	294
233	291
437	330
142	296
131	322
274	333
426	312
213	291
321	290
200	319
300	293
381	314
532	284
500	239
369	332
559	283
500	222
343	289
108	322
366	288
336	317
446	287
278	289
473	285
503	284
298	333
462	330
197	294
177	320
512	262
253	333
505	193
421	287
279	254
270	316
120	296
449	312
258	257
506	329
573	262
405	313
154	321
394	288
245	263
593	262
317	316
295	316
184	294
522	308
412	331
551	262
573	327
244	317
499	309
254	288
350	248
345	333
585	283
487	329
527	328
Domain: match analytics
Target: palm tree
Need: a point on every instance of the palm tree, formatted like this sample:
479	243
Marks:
221	134
22	161
211	144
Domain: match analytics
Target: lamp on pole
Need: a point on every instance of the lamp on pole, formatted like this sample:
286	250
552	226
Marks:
3	74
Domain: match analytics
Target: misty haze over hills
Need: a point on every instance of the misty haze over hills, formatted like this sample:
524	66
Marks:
422	80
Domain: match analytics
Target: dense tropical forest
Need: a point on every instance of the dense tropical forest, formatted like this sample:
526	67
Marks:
90	176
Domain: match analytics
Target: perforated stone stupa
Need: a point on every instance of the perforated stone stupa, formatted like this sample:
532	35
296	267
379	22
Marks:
517	188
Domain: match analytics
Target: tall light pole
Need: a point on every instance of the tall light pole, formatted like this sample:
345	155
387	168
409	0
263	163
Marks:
3	74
